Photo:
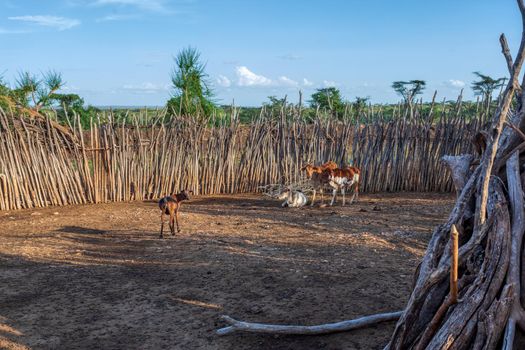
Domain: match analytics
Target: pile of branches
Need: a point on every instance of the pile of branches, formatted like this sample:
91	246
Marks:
274	190
484	304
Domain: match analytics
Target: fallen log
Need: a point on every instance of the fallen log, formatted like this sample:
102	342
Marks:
241	326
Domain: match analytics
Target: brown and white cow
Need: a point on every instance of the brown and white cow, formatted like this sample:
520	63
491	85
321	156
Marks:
342	179
319	177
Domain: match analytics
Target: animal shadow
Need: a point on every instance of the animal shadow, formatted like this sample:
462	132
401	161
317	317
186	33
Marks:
81	230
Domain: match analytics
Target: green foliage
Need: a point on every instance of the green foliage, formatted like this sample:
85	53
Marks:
246	114
68	101
38	93
486	85
360	104
409	89
274	104
329	99
192	93
34	91
73	104
4	94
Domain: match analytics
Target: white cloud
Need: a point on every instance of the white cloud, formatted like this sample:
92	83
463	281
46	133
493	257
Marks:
61	23
287	81
456	83
330	83
223	81
112	18
150	5
246	77
249	78
146	88
307	82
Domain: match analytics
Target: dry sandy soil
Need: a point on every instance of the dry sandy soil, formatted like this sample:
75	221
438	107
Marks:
98	276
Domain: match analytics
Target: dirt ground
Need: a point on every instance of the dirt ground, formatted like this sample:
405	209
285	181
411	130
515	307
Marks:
98	276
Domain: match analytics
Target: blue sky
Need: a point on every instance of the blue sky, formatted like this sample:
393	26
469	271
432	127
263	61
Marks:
120	52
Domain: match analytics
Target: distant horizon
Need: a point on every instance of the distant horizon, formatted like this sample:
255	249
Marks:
120	52
306	104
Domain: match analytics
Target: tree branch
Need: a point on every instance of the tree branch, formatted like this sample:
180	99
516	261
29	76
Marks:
506	52
365	321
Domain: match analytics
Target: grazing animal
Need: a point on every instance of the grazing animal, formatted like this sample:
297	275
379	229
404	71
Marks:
292	199
357	181
318	176
329	165
170	205
341	179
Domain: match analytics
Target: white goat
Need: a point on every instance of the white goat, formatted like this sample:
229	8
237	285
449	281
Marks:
292	199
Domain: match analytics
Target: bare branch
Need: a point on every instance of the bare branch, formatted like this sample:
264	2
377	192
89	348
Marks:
506	52
365	321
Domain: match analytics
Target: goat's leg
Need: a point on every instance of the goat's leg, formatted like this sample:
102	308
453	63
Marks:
172	226
161	225
172	221
177	221
313	199
356	192
321	191
343	193
334	193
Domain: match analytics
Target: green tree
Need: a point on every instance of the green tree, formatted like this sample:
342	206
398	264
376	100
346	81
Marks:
486	85
31	91
275	104
329	99
68	101
408	90
360	104
34	91
5	100
192	92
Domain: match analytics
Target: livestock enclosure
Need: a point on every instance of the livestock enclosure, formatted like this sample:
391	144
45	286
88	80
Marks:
43	163
239	253
98	276
427	254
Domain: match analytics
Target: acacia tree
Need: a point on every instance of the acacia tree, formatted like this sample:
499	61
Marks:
192	95
408	90
486	85
275	104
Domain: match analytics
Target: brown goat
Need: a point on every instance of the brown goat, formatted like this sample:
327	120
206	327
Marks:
170	205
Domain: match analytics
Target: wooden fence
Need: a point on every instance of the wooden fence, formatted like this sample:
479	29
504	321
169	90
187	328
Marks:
43	163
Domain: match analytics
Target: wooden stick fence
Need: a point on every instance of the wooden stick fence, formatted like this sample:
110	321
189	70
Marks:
42	165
